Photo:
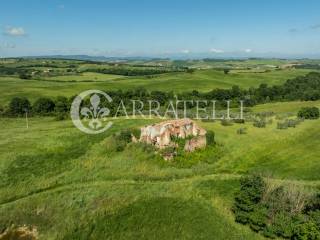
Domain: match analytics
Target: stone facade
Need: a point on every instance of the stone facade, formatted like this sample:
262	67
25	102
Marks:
195	143
160	134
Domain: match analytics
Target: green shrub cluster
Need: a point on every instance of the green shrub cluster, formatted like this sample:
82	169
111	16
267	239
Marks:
226	122
241	131
289	123
280	212
309	113
118	141
238	120
210	138
261	123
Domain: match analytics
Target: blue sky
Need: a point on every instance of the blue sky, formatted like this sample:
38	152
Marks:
161	28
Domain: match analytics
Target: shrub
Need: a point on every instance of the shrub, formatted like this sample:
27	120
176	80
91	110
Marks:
1	110
258	218
168	151
242	121
289	123
280	212
114	145
117	142
25	76
250	194
124	135
136	132
210	138
260	123
43	106
315	216
19	105
61	116
282	125
309	113
306	231
225	122
313	204
241	131
282	225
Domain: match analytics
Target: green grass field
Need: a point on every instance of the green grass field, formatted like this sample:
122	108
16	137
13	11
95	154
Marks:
201	80
69	186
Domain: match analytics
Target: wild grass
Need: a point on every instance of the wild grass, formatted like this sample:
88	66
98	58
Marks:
70	186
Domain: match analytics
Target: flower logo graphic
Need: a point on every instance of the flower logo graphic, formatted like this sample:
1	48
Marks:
94	115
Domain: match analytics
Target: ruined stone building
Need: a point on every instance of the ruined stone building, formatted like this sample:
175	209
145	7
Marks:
161	134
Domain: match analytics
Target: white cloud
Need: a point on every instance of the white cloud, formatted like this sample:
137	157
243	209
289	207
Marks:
15	31
61	6
214	50
186	51
248	50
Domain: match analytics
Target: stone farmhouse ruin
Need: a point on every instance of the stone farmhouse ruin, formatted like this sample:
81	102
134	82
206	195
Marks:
161	134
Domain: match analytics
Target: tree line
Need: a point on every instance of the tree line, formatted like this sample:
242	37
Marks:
135	71
302	88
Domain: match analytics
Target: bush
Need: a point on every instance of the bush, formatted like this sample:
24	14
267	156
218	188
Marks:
25	75
241	131
114	145
118	142
260	123
258	218
241	121
280	212
313	204
306	231
210	138
309	113
43	106
124	135
225	122
61	116
19	105
136	132
61	105
282	125
282	225
289	123
250	194
315	216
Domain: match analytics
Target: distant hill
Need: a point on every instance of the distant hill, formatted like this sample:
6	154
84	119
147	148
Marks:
94	58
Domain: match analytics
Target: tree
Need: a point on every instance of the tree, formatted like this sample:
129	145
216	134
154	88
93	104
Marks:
226	71
43	106
24	75
19	105
61	105
190	70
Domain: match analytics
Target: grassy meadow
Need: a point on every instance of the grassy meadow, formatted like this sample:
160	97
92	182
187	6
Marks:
71	185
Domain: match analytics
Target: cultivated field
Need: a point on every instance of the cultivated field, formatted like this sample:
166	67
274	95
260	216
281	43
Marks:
60	82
